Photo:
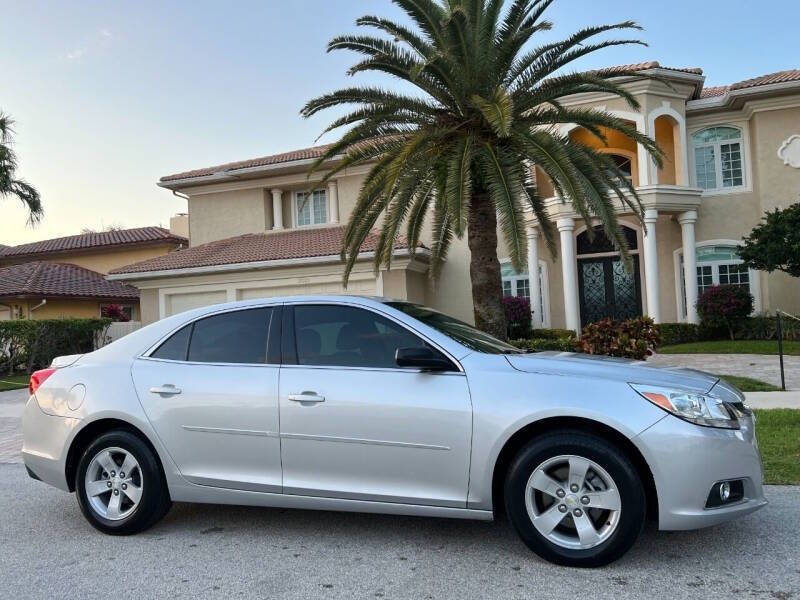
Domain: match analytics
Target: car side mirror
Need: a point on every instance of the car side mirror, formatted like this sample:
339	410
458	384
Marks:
422	358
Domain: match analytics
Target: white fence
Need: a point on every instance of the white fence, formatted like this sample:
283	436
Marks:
118	330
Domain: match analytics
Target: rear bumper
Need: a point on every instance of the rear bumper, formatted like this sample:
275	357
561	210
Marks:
687	460
45	443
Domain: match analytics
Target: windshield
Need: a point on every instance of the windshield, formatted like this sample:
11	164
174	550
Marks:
464	334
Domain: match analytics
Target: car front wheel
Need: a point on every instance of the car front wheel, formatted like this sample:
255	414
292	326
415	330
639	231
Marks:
575	499
119	484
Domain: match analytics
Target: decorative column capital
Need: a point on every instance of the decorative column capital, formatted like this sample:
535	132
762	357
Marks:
532	233
690	216
276	192
565	224
332	184
650	215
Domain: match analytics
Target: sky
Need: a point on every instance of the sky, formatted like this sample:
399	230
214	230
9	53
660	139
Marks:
110	96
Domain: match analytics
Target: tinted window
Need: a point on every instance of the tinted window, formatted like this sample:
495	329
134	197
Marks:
176	345
344	336
461	332
234	337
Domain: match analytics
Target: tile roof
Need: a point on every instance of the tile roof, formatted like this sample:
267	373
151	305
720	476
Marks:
103	239
647	65
779	77
257	247
274	159
46	279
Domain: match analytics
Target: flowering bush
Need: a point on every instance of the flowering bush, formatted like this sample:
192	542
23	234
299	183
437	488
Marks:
727	305
518	316
632	338
115	312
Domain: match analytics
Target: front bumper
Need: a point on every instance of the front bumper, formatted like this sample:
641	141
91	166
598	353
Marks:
687	460
45	444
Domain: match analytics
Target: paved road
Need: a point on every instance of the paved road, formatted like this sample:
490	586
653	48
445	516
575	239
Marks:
48	550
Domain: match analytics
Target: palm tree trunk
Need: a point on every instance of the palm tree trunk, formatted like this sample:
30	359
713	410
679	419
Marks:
484	267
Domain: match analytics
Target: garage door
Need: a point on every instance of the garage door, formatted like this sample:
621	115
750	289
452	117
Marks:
179	302
364	287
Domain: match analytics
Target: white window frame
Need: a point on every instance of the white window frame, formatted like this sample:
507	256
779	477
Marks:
313	222
544	288
754	277
744	145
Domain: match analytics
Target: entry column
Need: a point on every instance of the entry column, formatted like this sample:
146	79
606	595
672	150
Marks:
651	265
569	272
537	318
687	221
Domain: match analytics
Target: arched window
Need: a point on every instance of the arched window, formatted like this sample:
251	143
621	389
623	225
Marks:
718	158
624	164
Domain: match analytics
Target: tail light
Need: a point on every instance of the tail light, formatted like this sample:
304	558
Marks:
38	378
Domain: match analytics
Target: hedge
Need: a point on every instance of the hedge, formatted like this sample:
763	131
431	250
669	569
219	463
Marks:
752	328
543	344
28	345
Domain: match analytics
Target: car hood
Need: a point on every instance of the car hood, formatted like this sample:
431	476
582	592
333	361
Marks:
605	367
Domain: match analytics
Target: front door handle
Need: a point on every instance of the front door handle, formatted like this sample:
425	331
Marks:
307	397
165	390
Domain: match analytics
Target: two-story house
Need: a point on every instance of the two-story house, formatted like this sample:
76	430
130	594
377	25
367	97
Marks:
732	152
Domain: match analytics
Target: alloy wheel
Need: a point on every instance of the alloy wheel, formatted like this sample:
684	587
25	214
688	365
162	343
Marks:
114	483
573	502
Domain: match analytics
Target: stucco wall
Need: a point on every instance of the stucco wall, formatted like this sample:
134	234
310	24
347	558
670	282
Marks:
104	260
221	215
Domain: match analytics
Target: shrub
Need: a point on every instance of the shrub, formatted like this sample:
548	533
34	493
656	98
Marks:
543	344
32	344
518	316
115	312
552	334
727	305
678	333
763	327
632	338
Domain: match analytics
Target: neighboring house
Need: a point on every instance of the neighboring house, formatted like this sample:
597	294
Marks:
65	277
732	153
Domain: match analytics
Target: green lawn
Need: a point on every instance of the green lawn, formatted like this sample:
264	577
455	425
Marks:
729	347
13	382
748	384
778	432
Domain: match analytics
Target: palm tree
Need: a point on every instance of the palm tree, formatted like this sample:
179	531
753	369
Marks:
485	108
9	185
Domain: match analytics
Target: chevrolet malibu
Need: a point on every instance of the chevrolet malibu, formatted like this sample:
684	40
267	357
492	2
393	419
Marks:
373	405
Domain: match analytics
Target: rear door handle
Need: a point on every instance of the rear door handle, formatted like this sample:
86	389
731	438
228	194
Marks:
310	397
165	390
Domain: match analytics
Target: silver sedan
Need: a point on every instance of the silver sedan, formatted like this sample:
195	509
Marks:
373	405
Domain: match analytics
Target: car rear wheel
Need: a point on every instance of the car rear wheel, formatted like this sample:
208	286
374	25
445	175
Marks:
575	499
119	484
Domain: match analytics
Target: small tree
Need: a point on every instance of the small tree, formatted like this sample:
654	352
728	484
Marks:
774	244
726	305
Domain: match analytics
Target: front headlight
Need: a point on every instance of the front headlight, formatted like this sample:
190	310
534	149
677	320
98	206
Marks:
700	409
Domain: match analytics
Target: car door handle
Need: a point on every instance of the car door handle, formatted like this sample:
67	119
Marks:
310	397
165	390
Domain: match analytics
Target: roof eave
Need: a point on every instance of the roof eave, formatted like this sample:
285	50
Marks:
421	253
234	174
731	96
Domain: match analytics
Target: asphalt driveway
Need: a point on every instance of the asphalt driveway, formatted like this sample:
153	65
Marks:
48	550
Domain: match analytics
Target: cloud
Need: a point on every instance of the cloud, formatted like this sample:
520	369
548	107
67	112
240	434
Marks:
76	54
102	38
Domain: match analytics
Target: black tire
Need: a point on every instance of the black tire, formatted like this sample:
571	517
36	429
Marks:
154	502
606	455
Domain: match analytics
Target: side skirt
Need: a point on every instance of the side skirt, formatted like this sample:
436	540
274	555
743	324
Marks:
214	495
